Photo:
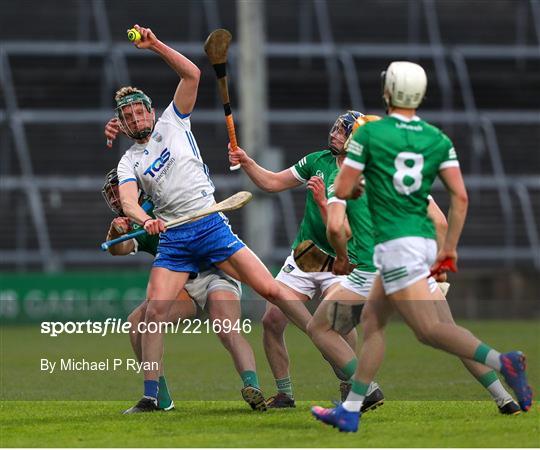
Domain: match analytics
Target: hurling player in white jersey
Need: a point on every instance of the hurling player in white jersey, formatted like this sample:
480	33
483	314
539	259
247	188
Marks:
166	162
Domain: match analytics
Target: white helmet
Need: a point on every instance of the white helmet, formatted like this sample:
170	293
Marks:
404	84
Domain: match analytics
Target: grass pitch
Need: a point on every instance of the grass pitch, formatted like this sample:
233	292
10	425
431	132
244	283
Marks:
431	399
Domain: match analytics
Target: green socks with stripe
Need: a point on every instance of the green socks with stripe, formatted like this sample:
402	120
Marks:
249	378
356	396
284	385
486	355
349	368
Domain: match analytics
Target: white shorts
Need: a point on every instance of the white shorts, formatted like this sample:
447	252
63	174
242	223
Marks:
211	280
404	261
359	282
306	283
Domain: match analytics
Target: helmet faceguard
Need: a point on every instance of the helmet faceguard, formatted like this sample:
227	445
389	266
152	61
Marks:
111	193
135	115
341	130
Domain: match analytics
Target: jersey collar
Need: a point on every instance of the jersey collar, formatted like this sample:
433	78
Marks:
405	119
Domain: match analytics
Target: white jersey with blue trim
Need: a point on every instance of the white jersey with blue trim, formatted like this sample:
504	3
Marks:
169	168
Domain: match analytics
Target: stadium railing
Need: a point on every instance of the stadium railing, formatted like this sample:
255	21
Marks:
480	121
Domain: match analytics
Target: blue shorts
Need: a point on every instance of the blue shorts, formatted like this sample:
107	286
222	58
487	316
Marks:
206	241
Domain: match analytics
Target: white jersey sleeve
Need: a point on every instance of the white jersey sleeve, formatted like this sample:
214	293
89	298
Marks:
125	170
171	116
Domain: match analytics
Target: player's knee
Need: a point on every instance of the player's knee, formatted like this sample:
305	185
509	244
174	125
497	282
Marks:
425	334
274	321
133	319
156	312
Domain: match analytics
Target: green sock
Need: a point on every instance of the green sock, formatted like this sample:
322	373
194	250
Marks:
486	355
164	397
349	368
249	377
359	388
285	385
488	379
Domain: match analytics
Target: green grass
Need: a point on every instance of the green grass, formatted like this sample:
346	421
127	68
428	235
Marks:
230	424
431	400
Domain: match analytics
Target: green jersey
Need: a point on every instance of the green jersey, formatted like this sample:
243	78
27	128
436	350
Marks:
360	246
147	242
321	164
400	160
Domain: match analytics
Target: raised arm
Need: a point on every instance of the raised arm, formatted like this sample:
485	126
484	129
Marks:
186	92
264	179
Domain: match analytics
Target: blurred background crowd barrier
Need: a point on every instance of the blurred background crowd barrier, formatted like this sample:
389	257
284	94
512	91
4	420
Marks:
294	67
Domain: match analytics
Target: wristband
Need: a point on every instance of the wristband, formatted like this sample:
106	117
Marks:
144	223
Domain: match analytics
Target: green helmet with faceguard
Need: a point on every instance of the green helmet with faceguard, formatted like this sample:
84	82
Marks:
126	107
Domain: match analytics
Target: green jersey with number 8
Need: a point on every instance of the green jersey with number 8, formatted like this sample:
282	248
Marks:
400	159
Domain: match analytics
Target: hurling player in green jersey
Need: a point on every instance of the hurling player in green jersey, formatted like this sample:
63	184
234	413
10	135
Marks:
340	309
212	290
400	157
300	286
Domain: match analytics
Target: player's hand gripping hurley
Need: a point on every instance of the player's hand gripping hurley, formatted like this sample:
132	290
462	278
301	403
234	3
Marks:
235	201
216	47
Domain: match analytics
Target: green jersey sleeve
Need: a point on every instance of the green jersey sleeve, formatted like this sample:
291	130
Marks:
303	169
357	150
448	154
331	191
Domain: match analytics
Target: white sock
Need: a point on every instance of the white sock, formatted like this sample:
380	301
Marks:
493	360
353	402
498	392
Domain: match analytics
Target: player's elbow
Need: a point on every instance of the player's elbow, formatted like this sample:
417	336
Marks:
194	74
341	191
273	188
461	200
197	74
333	229
273	184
